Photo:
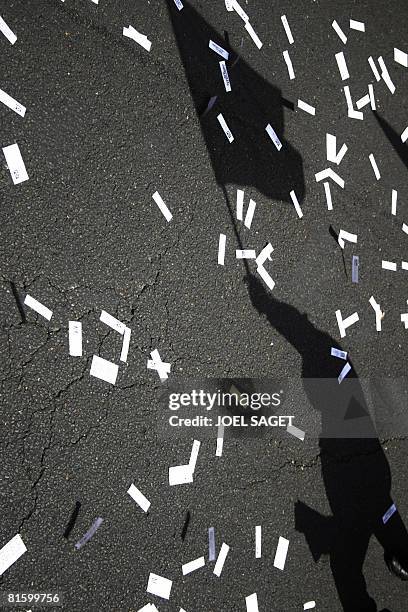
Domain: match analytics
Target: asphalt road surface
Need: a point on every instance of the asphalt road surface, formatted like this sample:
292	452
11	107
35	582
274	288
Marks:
109	123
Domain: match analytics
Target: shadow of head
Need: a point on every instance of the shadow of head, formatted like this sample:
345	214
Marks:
251	159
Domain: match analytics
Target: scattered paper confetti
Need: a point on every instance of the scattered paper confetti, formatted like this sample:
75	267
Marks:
11	552
38	307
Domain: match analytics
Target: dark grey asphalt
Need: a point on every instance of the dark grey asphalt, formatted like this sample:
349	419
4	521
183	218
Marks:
108	124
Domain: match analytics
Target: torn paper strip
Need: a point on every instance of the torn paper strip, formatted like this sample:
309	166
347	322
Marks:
350	109
343	235
192	566
240	204
345	323
245	254
374	69
156	363
374	166
404	135
141	39
90	533
258	541
180	474
252	603
401	57
394	198
346	369
253	35
225	76
342	66
281	553
75	338
250	214
159	586
38	307
378	314
339	32
372	99
221	560
139	498
112	322
328	195
12	104
239	10
179	4
392	510
306	107
354	269
289	65
221	249
386	75
296	204
163	208
222	52
331	150
339	354
15	164
104	370
11	37
10	552
287	29
329	173
389	265
220	441
225	127
125	344
362	102
357	25
295	431
194	454
309	605
273	136
211	544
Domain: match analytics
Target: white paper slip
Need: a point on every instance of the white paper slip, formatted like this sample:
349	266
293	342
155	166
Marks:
162	206
404	135
354	269
157	585
225	76
345	323
357	25
392	510
253	35
211	544
374	304
362	102
328	195
239	10
192	566
266	277
329	173
125	344
343	235
225	127
404	265
38	307
214	47
289	65
156	363
405	228
113	323
306	107
374	69
240	204
295	431
273	136
353	114
404	318
180	474
386	75
11	37
75	338
309	605
179	4
221	249
11	552
245	254
15	164
342	66
372	98
141	39
139	498
374	166
250	214
264	254
339	32
331	150
222	555
258	541
287	29
12	103
281	553
252	603
401	57
103	369
229	5
346	369
337	353
296	204
394	198
194	454
220	441
389	265
148	608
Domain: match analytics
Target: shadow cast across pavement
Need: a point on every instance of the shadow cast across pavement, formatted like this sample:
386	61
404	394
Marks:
355	470
394	138
251	159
